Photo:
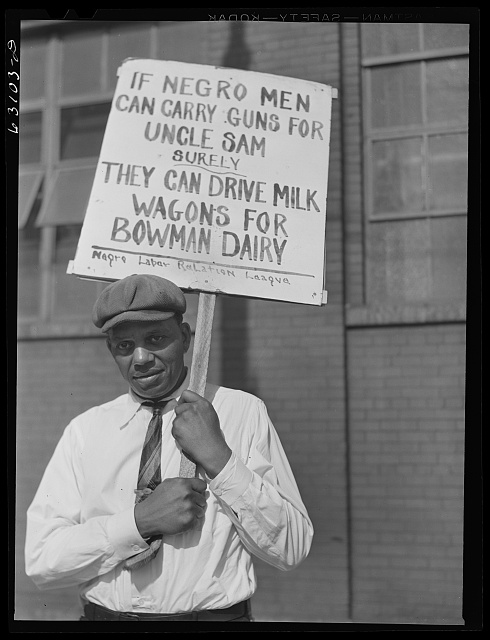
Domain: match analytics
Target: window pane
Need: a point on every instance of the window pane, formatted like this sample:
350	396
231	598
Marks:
82	130
397	176
400	261
396	96
447	91
125	43
29	187
448	172
81	72
180	41
28	272
73	297
30	137
32	69
449	257
441	36
389	39
67	201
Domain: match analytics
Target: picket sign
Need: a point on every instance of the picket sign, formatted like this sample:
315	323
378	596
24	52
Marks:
199	366
215	179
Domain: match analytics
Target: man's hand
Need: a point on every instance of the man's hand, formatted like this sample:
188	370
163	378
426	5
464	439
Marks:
174	506
196	428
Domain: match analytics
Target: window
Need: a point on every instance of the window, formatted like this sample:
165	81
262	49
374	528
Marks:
72	300
29	186
28	261
124	43
82	130
81	71
67	200
30	141
31	176
59	144
415	85
33	65
68	78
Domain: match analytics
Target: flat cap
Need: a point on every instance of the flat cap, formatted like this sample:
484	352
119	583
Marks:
137	298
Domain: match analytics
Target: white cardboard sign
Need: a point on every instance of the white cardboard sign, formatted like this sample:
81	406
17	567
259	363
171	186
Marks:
214	178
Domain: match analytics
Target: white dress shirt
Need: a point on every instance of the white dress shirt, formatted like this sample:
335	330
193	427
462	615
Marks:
81	526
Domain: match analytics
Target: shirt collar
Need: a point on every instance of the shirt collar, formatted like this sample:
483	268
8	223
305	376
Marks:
133	402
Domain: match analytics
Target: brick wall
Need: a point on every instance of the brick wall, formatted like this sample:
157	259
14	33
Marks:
280	352
379	462
294	362
405	396
352	193
406	423
289	355
292	357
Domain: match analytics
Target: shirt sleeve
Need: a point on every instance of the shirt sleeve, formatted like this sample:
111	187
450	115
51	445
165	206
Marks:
261	497
60	549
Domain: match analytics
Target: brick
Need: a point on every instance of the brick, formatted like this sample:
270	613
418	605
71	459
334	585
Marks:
404	399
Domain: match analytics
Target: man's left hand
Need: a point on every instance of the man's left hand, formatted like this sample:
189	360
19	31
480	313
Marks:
197	429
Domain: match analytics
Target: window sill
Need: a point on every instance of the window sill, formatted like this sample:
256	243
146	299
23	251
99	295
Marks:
391	314
32	329
45	331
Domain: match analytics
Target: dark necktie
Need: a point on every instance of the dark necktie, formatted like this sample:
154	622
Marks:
149	477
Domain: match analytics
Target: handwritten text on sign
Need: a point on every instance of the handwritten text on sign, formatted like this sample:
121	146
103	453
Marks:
214	178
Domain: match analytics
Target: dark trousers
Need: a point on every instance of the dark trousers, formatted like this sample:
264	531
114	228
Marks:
240	612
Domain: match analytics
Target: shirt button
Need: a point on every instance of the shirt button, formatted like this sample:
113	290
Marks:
135	547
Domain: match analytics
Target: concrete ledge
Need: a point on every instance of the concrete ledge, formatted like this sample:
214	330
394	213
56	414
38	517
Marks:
50	331
375	315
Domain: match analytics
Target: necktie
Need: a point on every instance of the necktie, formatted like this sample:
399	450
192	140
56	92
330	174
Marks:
149	477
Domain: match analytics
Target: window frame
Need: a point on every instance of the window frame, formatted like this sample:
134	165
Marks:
424	130
50	166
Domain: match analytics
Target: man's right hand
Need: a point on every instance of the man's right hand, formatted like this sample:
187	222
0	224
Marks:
174	506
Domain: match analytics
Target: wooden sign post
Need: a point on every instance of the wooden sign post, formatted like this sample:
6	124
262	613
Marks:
200	360
215	179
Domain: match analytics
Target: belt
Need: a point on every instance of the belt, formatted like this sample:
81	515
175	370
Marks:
240	610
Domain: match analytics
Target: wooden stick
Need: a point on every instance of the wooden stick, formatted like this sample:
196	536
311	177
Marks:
200	360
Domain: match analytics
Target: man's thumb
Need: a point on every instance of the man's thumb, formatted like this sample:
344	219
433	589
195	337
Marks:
189	396
171	404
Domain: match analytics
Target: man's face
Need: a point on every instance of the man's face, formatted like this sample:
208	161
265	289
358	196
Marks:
150	355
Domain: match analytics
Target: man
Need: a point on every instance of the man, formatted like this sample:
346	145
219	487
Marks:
181	548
